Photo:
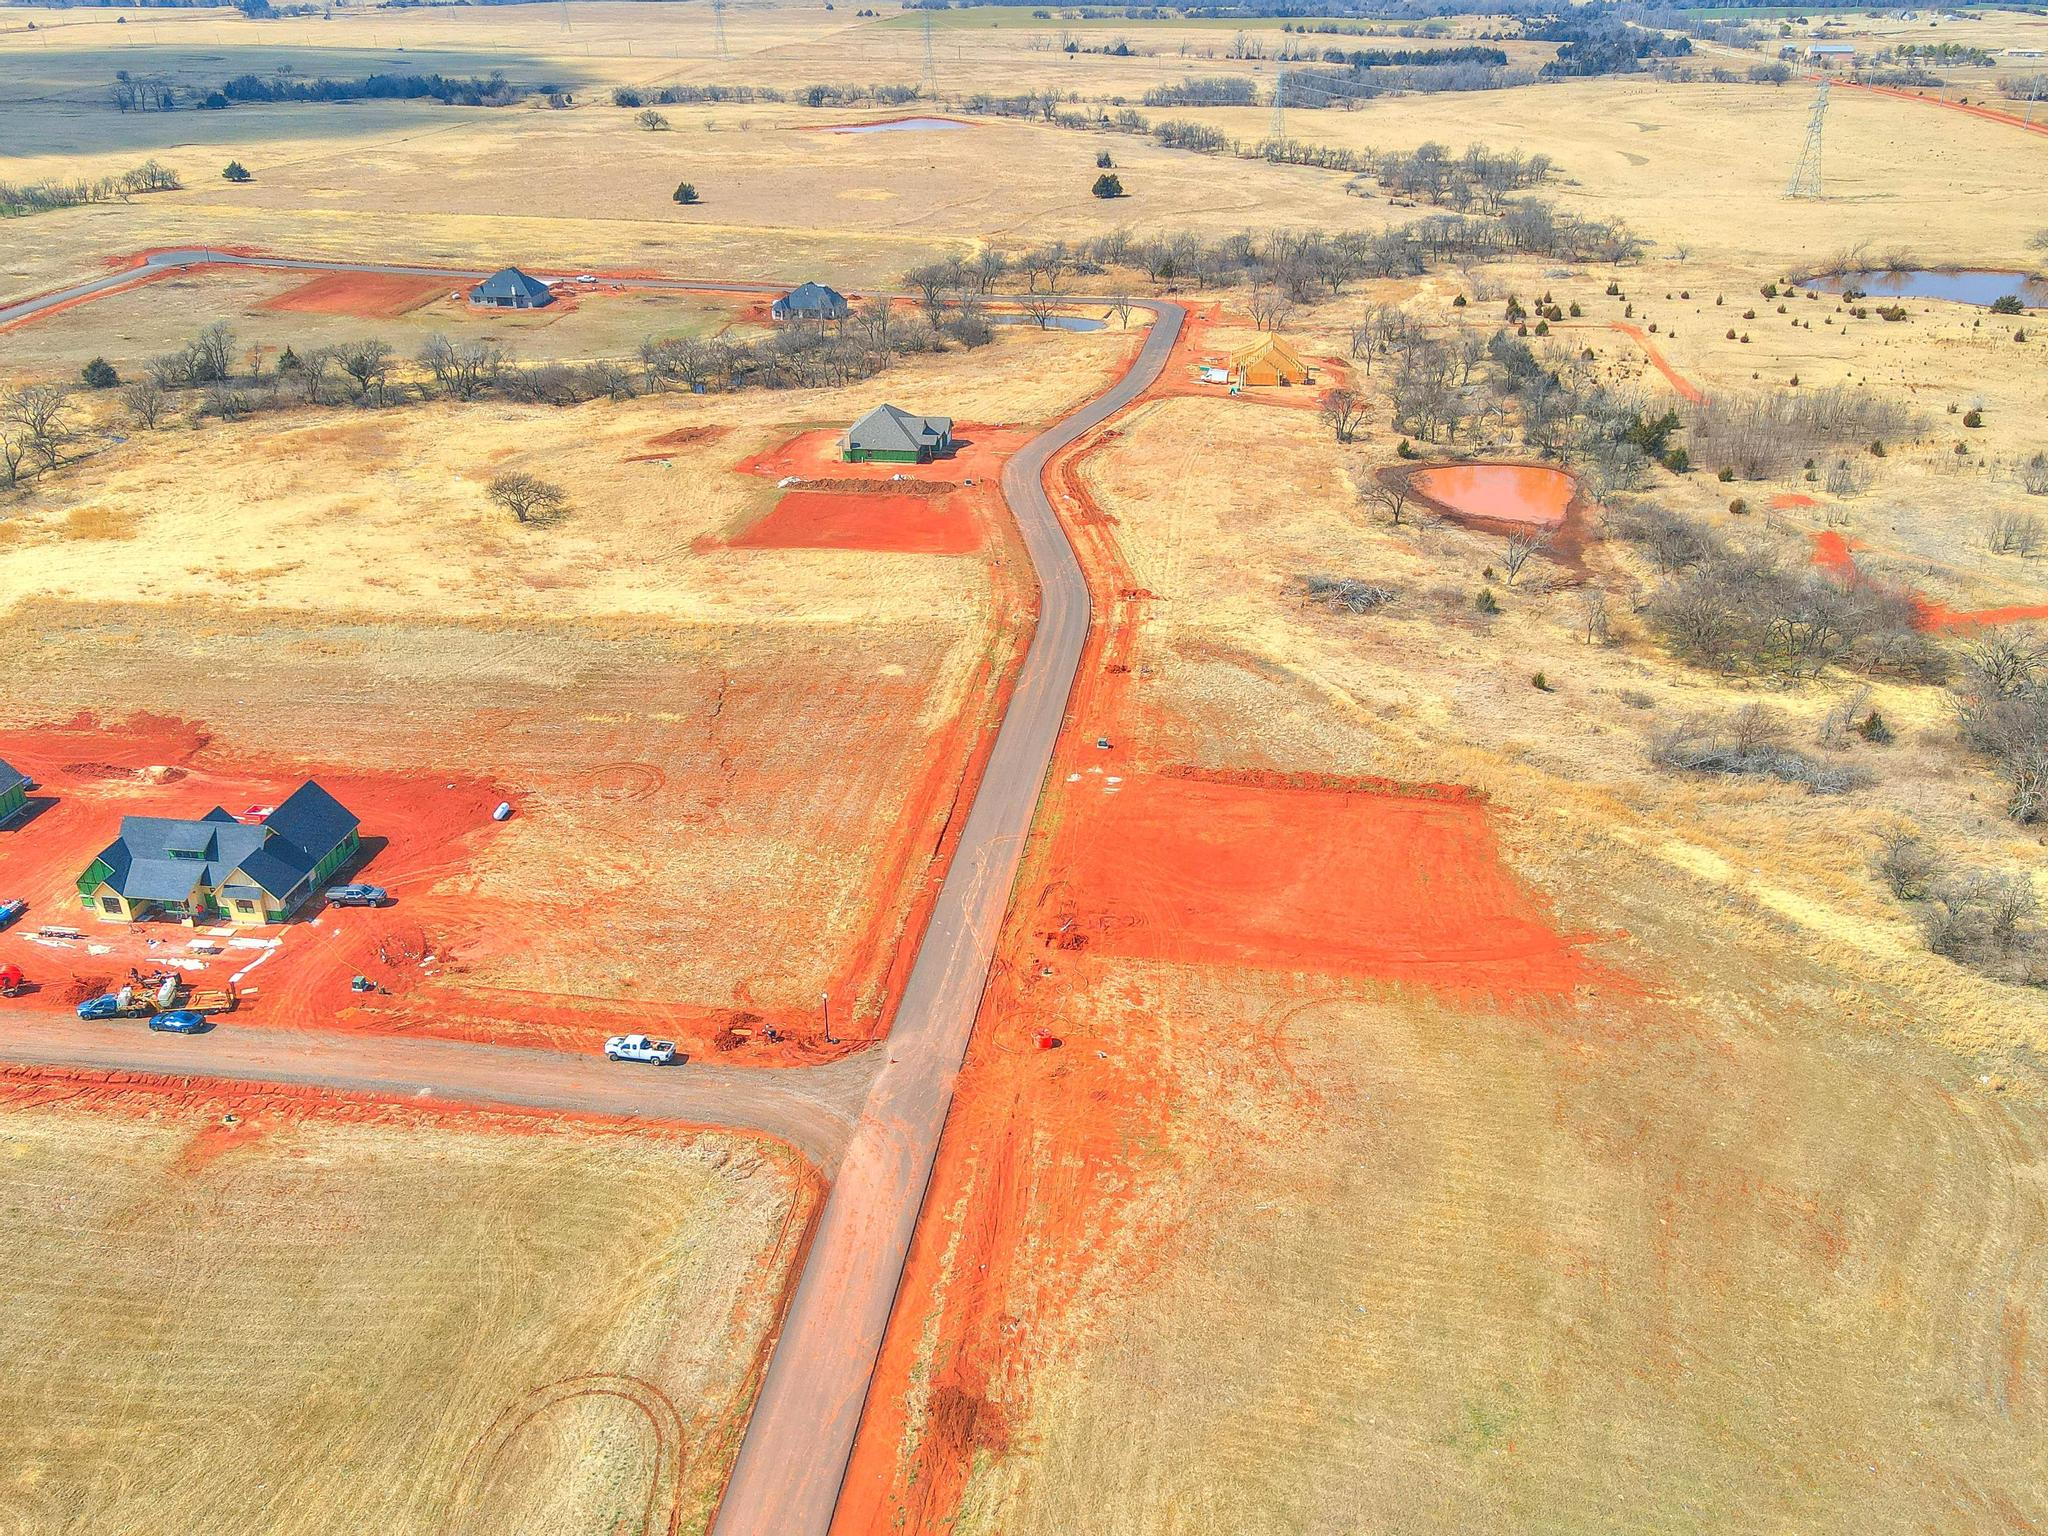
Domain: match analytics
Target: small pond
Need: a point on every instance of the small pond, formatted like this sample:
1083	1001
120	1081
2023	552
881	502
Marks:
1499	493
1964	286
1053	322
899	125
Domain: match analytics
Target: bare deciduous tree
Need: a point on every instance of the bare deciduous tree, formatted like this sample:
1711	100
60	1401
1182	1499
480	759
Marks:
41	413
146	401
529	498
367	362
1520	547
1344	412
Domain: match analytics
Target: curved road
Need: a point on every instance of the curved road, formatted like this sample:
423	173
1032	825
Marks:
793	1460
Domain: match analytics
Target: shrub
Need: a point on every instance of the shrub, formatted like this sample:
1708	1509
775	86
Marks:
235	171
1738	506
1678	461
100	374
1346	594
2008	305
1107	185
1905	864
1541	683
1486	602
1973	418
1103	162
686	193
1725	475
1750	743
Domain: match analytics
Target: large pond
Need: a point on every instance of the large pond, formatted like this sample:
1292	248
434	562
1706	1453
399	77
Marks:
1499	493
1052	322
1965	286
899	125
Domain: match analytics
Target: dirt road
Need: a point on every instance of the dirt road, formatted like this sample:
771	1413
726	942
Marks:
786	1481
787	1478
813	1108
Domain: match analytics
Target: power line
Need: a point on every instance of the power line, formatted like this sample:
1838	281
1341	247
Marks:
718	27
1278	132
1805	181
931	65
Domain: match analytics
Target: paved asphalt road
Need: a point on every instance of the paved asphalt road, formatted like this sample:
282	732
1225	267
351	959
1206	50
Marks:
787	1479
793	1460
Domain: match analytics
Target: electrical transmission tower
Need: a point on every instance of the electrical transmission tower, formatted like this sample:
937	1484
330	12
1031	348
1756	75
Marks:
1278	132
931	65
1806	175
718	27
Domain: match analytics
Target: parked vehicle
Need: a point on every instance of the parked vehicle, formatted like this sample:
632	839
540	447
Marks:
10	910
152	994
357	896
657	1053
181	1021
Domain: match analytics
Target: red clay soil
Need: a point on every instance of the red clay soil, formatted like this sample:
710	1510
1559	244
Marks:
681	437
370	295
1988	114
1835	554
1045	1150
417	833
814	455
1687	390
917	525
1787	501
1244	870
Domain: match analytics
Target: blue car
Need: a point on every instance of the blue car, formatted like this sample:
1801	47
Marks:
179	1021
10	910
107	1007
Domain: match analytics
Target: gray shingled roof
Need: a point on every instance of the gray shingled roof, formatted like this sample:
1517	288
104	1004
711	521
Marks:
887	428
160	858
811	299
9	777
511	283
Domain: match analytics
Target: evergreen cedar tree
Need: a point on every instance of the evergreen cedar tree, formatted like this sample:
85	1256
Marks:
1106	185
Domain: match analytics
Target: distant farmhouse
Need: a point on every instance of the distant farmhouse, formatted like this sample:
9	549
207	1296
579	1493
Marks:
887	435
1268	360
219	867
511	288
1829	51
13	792
811	301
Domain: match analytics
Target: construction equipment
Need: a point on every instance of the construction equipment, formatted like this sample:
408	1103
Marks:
12	982
146	995
214	1000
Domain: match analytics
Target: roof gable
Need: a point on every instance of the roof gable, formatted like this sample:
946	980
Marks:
510	282
10	778
888	426
312	820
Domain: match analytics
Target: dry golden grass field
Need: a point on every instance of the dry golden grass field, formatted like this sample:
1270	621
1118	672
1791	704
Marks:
1402	1104
731	764
244	1311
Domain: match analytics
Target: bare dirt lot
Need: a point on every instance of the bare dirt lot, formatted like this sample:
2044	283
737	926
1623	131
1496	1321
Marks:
327	1315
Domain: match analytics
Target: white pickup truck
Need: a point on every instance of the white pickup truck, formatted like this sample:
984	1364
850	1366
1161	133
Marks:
640	1048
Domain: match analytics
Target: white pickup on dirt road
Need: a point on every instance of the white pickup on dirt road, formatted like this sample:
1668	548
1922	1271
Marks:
659	1053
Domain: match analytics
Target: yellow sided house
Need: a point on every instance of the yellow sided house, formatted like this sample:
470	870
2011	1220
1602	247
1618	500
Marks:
220	868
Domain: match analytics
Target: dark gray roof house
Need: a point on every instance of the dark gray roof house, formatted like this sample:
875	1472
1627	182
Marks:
221	866
810	301
13	790
894	436
511	288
